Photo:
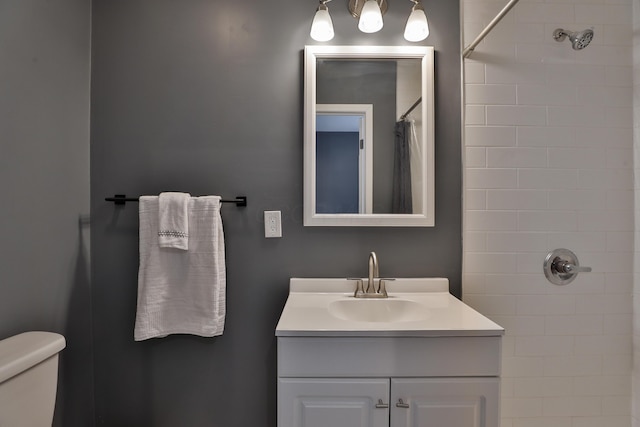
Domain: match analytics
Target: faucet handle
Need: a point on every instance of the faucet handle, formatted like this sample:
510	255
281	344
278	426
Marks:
359	286
382	289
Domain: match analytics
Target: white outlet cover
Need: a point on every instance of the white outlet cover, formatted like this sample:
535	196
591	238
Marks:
272	224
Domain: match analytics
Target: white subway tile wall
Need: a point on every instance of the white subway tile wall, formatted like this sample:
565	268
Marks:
549	150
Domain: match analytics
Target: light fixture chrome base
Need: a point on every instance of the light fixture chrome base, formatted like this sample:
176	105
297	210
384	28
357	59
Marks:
355	7
561	267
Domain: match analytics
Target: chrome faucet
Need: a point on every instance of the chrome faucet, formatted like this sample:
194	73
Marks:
371	291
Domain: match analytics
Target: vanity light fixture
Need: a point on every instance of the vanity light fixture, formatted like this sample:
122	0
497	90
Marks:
322	26
369	14
370	17
417	28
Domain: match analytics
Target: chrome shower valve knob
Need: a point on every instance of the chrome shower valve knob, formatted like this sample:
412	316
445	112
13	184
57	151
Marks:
561	267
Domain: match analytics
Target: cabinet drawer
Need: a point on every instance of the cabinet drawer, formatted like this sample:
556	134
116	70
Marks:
388	356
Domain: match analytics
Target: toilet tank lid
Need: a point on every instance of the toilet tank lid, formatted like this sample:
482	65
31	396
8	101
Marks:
22	351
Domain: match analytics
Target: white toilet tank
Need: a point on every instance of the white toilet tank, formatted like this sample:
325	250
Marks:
28	378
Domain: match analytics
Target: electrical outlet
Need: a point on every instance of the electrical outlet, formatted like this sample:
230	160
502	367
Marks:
272	224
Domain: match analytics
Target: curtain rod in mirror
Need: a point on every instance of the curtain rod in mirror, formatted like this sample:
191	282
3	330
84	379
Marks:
413	107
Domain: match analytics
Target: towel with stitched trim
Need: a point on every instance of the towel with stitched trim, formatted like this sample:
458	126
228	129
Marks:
173	217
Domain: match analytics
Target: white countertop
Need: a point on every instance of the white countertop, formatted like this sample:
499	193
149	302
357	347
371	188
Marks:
307	313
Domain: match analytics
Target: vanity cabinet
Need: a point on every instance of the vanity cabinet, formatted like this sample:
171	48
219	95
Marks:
389	381
430	361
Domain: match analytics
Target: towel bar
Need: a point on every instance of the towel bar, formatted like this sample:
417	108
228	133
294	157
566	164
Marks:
122	199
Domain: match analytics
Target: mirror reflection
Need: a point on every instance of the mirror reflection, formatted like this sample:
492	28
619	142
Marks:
390	90
368	135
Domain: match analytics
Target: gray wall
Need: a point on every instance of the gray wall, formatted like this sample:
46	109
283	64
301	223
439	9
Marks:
44	185
206	97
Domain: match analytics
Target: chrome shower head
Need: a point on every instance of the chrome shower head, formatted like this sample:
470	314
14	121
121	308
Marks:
579	39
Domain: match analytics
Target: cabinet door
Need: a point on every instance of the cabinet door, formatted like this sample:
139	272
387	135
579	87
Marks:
333	402
445	402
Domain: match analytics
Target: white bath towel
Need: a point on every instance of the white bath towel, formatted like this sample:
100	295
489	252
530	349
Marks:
173	217
182	292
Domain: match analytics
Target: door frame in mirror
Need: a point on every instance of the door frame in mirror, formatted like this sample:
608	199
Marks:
426	55
365	173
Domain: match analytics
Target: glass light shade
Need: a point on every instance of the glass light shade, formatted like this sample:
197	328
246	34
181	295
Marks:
370	17
417	28
322	27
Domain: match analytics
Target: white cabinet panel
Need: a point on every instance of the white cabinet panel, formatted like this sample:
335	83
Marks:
389	356
333	402
445	402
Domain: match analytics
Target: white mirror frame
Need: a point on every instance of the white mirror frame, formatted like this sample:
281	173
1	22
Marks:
425	54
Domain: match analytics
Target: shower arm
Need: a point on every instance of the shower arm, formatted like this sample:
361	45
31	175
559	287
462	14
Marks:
469	49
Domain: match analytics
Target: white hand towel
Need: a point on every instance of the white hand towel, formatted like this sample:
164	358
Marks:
182	292
173	216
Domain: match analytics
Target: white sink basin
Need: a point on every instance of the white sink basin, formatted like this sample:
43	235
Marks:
416	307
378	310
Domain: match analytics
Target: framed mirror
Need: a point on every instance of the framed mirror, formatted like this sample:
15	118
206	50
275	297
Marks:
369	136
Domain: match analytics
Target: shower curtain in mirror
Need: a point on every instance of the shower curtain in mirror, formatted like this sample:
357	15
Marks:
402	201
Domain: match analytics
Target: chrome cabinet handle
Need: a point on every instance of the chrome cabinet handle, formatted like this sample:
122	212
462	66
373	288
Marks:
401	404
381	405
